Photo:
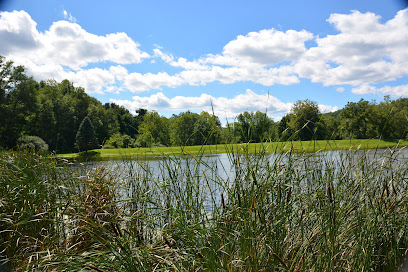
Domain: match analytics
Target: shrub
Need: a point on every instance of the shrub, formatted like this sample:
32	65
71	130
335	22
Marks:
119	141
32	142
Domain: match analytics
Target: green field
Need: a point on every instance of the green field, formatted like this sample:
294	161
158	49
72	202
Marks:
269	147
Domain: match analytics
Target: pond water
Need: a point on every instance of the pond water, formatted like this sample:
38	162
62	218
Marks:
225	165
210	177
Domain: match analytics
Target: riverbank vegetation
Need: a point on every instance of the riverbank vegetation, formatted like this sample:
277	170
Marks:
143	153
53	112
333	211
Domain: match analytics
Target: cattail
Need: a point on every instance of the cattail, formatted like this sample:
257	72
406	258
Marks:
288	195
96	268
301	215
349	211
355	189
239	200
254	177
329	193
279	259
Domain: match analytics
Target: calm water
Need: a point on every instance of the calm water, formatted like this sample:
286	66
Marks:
224	165
213	175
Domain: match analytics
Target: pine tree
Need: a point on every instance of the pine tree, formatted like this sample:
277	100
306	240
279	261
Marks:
85	137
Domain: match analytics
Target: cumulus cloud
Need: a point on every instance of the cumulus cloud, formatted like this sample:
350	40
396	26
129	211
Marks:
268	47
227	108
224	107
18	33
65	43
327	108
364	53
394	91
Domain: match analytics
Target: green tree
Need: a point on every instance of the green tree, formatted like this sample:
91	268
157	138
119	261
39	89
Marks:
85	137
230	133
207	129
285	128
331	127
18	103
255	126
245	127
358	120
119	141
306	115
392	118
154	130
183	130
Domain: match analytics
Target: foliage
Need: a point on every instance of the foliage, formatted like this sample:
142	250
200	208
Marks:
32	142
306	115
285	128
30	196
207	129
85	138
120	141
358	120
182	128
335	211
254	127
54	111
153	130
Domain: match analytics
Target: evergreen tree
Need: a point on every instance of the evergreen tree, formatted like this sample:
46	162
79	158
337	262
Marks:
85	137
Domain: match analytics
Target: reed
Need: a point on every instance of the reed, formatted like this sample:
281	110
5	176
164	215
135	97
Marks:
280	211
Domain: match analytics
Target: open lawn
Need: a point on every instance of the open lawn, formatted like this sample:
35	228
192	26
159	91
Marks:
269	147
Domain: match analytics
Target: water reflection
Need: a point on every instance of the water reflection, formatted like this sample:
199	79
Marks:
208	177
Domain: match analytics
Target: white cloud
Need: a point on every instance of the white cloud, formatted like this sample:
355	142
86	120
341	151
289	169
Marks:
65	43
47	55
363	53
268	47
136	82
394	91
69	17
327	108
340	89
18	33
223	107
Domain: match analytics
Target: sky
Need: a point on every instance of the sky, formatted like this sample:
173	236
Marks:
224	57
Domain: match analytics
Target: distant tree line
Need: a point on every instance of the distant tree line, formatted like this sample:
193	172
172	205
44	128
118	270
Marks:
65	119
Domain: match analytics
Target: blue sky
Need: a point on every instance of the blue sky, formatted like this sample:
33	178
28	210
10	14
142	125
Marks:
226	56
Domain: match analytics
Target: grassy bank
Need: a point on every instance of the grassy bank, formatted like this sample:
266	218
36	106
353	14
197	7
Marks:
289	212
270	147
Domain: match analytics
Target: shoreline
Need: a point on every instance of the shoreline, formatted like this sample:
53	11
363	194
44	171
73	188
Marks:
154	153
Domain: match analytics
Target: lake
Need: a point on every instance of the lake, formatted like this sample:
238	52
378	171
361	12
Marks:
212	177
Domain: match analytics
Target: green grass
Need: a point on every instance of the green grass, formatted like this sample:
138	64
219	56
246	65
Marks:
295	146
336	211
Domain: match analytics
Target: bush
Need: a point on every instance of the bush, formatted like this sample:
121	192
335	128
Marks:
32	142
119	141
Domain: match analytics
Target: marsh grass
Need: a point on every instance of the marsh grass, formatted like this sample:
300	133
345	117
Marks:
285	211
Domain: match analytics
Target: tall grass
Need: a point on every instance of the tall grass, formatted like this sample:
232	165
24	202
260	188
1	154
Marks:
330	211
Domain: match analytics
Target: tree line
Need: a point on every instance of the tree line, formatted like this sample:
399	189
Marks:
54	112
